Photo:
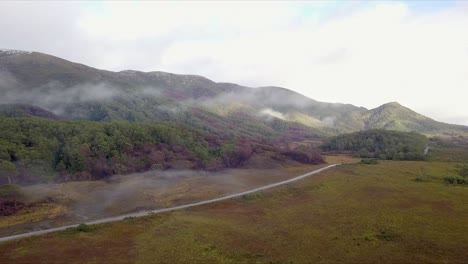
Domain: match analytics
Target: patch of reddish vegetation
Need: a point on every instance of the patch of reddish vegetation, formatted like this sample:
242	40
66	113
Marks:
138	159
302	154
8	208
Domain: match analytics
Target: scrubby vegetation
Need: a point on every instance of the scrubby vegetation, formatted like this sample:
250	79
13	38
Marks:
369	161
453	149
81	228
456	180
350	214
462	179
380	144
10	199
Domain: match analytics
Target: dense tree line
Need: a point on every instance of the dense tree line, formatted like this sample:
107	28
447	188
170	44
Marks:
33	148
380	144
36	149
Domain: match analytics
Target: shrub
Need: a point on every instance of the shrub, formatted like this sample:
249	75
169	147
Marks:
369	161
252	196
456	180
421	179
81	228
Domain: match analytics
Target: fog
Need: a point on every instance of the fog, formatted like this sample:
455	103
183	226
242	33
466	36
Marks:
54	95
122	194
60	99
268	112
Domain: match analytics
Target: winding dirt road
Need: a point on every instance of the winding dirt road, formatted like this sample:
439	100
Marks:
157	211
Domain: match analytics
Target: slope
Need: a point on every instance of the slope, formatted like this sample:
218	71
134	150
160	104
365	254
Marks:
75	91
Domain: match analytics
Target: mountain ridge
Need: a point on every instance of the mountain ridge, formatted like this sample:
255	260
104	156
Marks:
50	83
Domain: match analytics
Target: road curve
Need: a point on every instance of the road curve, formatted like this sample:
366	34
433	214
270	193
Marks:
157	211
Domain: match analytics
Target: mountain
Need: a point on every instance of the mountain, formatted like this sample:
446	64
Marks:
68	90
393	116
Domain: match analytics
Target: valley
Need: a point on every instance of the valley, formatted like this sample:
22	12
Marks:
352	213
82	147
61	204
234	132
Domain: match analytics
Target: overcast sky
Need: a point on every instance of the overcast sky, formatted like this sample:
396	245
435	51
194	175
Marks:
363	53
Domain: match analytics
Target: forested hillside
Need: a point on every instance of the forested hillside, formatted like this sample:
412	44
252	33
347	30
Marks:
381	144
34	149
62	120
37	84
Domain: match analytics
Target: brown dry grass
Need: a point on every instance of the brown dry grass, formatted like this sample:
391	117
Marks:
352	214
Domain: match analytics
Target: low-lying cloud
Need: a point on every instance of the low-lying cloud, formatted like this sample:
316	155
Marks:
364	53
272	113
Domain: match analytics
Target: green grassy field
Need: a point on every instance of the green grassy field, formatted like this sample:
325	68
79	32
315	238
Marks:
352	214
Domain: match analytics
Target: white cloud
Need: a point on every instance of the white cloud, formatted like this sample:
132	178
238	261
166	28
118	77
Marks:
272	113
362	53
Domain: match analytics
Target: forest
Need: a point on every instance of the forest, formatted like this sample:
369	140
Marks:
34	148
39	150
380	144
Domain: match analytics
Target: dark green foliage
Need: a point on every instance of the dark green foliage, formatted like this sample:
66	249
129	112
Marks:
8	191
380	144
34	149
81	228
37	149
456	180
370	161
252	196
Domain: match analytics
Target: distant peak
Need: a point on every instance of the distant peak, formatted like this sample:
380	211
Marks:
392	104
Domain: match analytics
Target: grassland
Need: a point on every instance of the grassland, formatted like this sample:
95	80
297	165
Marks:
54	205
353	214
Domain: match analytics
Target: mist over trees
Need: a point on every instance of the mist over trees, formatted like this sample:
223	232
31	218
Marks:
380	144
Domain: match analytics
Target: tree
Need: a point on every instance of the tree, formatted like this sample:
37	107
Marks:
7	169
364	153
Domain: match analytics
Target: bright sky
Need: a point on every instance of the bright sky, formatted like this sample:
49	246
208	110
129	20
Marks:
358	52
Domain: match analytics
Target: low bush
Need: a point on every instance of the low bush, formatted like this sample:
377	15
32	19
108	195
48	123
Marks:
252	196
456	180
421	179
81	228
369	161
